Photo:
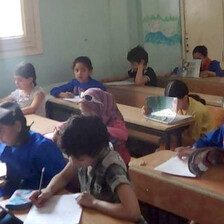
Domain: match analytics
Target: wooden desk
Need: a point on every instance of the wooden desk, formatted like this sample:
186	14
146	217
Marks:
133	118
211	85
40	124
88	216
200	199
136	95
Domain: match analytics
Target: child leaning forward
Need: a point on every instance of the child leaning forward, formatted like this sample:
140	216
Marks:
102	173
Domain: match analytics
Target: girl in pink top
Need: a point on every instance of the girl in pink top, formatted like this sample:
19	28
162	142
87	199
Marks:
94	101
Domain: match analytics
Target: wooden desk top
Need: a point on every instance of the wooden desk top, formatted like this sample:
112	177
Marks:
146	91
200	199
211	85
131	115
211	182
41	125
89	216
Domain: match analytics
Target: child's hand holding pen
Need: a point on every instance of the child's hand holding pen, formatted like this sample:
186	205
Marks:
41	196
40	199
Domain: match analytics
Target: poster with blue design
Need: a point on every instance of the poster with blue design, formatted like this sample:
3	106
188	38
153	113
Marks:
163	25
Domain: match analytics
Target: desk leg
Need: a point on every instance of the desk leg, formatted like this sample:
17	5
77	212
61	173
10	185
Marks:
167	140
179	137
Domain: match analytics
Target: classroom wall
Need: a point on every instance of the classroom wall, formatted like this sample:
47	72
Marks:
98	29
104	30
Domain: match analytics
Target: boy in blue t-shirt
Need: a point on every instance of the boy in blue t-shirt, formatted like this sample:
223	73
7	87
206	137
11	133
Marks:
142	74
82	68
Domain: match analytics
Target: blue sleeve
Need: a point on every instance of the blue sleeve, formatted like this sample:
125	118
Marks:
101	86
214	138
215	67
49	156
68	87
2	148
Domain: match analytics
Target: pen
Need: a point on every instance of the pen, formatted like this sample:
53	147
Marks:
41	180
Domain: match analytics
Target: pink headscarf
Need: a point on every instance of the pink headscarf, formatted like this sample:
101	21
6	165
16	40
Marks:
107	111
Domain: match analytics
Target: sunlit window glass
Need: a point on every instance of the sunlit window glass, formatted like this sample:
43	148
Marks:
10	18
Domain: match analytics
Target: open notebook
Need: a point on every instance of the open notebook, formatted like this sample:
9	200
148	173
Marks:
163	109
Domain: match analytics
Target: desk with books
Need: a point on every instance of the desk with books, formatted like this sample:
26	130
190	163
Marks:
133	118
199	199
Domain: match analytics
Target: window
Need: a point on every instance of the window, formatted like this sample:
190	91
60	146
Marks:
20	32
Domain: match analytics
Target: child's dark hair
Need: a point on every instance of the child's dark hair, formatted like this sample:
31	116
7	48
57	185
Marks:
26	70
176	88
85	60
15	114
179	89
201	49
83	135
137	54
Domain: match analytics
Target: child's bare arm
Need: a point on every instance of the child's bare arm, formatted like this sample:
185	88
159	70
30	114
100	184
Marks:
140	78
5	99
57	183
127	209
34	105
205	74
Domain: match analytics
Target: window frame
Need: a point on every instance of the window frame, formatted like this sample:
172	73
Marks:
31	42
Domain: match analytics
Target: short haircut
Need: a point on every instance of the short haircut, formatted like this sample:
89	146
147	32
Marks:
26	70
83	135
85	60
137	54
177	89
201	49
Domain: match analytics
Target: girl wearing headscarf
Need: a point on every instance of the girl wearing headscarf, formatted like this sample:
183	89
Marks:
94	101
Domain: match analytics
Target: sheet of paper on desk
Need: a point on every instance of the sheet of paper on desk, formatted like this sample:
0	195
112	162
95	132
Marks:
76	99
175	166
3	169
59	209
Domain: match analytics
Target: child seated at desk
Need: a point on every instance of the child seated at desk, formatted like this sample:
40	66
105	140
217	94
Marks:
25	152
188	105
209	68
211	139
97	102
102	173
193	105
208	151
142	74
82	68
29	96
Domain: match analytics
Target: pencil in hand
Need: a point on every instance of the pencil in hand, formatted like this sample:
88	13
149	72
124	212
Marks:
41	180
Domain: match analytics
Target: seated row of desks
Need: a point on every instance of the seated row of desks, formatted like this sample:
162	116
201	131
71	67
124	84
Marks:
200	199
210	85
133	117
135	95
